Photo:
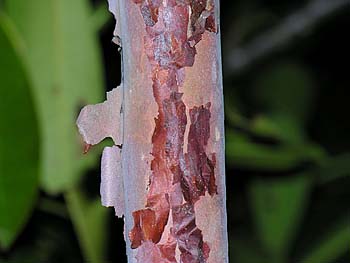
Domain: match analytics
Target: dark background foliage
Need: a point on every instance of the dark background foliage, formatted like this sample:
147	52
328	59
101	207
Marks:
286	88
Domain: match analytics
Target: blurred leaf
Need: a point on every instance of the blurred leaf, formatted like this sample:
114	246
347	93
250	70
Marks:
101	16
19	142
287	129
328	212
64	62
334	168
277	127
90	222
266	127
286	89
278	206
332	246
243	153
232	114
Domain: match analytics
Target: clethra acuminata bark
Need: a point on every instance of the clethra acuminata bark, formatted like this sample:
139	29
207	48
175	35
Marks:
167	179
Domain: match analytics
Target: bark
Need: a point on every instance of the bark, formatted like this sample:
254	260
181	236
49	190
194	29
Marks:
170	168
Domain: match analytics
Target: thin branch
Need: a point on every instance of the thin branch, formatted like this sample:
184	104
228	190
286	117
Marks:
293	26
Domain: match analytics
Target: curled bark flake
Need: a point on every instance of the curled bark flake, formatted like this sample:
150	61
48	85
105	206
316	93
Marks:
97	122
87	148
112	190
113	7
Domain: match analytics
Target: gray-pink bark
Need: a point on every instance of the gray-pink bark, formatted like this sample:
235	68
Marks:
168	179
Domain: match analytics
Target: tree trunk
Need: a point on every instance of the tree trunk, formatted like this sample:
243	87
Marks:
169	166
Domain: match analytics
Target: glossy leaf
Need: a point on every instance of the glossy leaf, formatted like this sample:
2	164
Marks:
19	138
64	63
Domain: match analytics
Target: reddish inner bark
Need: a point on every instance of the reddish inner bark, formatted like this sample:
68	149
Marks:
178	179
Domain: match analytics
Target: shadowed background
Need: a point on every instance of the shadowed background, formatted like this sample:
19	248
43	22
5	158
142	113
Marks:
286	88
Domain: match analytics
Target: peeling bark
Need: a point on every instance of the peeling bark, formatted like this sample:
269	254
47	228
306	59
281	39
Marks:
170	169
96	122
112	191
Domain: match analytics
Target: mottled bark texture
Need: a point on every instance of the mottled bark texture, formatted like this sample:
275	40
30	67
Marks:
170	169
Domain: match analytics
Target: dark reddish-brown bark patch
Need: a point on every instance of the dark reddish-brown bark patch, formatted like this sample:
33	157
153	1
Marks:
149	223
178	178
189	236
87	148
202	19
199	174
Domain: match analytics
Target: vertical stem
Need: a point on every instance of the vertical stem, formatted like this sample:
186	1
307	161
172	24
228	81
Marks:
89	221
173	148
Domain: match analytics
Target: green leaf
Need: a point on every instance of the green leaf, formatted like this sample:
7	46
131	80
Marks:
332	246
285	129
89	219
19	142
278	127
63	58
242	153
278	206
